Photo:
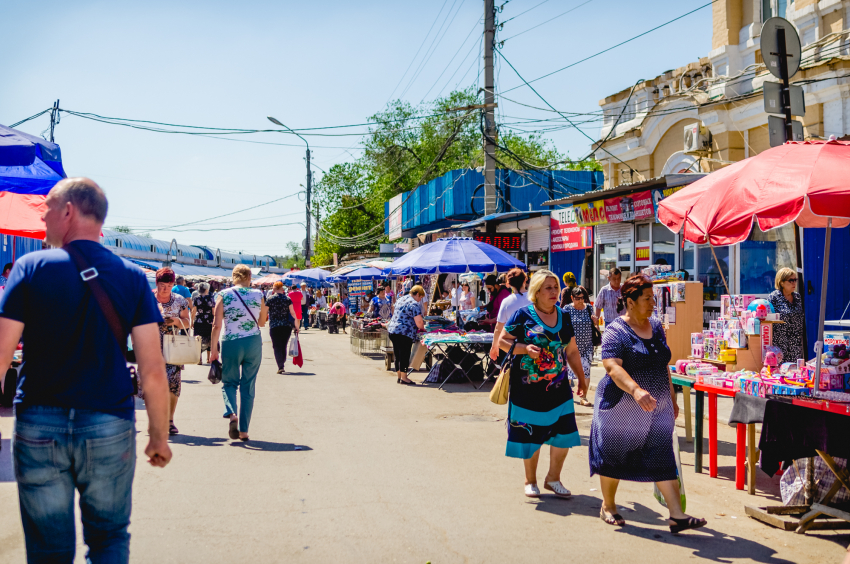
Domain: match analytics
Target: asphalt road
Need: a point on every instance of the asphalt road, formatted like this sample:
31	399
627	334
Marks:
346	466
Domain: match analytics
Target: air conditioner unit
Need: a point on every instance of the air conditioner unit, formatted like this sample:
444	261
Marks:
696	138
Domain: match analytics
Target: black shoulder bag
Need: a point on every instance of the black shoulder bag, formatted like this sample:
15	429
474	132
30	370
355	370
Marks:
89	275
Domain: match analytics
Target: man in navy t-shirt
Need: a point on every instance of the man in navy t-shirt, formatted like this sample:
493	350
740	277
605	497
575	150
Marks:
74	408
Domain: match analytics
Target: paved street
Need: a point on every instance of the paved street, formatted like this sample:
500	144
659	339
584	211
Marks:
346	466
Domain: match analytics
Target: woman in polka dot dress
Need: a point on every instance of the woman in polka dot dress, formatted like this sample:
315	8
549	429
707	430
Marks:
631	437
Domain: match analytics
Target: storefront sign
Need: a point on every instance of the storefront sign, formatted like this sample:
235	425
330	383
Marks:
632	207
565	234
395	217
590	213
503	242
641	254
359	287
659	194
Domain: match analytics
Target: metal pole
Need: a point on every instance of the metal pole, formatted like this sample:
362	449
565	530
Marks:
786	89
489	114
801	287
309	193
822	316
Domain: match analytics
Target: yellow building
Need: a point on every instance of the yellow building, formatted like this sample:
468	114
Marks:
706	115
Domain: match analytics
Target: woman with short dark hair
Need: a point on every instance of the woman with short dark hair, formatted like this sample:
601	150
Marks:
202	312
631	437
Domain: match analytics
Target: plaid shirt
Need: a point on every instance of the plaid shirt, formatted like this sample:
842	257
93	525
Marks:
607	302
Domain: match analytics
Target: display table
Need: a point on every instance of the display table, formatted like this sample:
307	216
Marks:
466	341
798	429
687	383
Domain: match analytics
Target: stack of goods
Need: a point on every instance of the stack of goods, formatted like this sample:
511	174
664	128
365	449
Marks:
704	373
662	273
719	341
436	323
834	370
750	311
788	380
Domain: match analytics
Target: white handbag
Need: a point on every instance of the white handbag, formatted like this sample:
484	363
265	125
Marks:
181	349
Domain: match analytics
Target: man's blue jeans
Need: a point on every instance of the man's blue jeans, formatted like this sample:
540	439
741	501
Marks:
57	450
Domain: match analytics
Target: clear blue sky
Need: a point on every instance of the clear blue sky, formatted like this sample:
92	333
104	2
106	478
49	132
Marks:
310	64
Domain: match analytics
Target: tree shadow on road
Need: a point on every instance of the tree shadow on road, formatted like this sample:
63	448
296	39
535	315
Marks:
705	542
191	440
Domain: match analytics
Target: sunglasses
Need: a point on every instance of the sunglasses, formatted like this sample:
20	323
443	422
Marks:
792	280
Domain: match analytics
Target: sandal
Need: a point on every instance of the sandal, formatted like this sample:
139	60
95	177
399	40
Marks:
531	490
685	524
233	432
172	430
614	519
557	488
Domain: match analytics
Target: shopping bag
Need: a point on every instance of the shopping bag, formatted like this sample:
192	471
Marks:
656	492
293	345
215	372
500	391
417	355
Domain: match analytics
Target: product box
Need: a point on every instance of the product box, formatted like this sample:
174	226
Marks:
710	349
728	356
737	339
721	345
697	351
836	338
753	326
677	291
697	338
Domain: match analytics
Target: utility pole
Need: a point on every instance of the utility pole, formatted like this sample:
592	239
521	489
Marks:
307	242
489	114
54	118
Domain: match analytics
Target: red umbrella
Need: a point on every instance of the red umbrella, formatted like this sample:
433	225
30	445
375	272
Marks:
803	182
797	182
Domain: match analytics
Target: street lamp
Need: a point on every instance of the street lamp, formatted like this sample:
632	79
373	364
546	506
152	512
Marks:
309	184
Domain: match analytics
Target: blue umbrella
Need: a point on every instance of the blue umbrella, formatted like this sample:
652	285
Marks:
312	276
362	273
457	255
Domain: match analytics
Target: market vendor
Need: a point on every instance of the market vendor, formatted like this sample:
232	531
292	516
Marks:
498	293
379	306
787	303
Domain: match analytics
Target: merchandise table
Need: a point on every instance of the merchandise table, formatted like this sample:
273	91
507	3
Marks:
465	341
687	383
802	428
743	433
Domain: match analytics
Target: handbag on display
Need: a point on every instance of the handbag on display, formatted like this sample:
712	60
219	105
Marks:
499	393
181	349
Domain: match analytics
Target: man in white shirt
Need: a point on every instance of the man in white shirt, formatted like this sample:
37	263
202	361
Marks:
455	296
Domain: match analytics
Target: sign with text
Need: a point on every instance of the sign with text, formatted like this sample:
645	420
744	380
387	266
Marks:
503	242
395	218
641	254
590	213
633	207
565	234
359	287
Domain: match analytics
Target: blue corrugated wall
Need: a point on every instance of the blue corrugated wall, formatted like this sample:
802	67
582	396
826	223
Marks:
838	283
16	247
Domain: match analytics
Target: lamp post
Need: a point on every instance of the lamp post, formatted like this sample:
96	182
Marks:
309	185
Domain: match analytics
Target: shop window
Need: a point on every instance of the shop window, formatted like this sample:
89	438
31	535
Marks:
708	274
688	264
664	246
762	255
607	261
642	233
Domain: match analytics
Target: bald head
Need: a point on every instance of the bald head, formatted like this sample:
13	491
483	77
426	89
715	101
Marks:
82	193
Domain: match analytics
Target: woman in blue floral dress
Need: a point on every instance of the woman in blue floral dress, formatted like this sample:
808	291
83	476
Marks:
540	407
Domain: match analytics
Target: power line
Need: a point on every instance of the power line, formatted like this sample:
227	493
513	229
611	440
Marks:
417	51
452	60
227	214
434	43
611	48
521	13
502	42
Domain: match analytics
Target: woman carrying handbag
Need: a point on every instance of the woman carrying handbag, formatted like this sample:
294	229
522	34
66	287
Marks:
240	311
175	313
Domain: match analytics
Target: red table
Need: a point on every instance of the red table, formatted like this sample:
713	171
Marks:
740	443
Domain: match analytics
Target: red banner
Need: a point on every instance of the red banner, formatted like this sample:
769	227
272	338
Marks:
565	234
633	207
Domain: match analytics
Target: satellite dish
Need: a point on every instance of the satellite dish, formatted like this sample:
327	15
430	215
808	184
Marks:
770	46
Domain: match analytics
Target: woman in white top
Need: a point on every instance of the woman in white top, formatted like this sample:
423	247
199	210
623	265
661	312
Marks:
467	297
517	281
240	311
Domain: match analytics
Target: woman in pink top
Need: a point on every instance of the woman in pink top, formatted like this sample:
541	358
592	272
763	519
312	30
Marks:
297	299
339	310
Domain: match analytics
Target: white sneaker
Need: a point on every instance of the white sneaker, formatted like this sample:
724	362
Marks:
558	489
531	490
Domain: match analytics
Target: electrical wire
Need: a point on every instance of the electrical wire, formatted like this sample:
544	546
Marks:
435	43
502	42
521	13
417	52
452	60
228	214
612	47
17	123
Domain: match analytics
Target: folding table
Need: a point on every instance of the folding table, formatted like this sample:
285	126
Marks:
441	341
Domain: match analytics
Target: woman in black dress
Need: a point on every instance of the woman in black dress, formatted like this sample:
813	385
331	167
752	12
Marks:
202	312
787	303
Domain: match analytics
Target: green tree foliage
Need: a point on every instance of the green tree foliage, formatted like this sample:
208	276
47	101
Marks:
294	257
409	146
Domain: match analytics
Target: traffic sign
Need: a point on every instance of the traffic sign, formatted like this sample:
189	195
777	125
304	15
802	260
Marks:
771	32
773	99
776	131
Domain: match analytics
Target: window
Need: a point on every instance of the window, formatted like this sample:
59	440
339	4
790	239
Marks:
607	261
642	234
688	254
763	254
663	245
153	249
770	8
707	273
766	10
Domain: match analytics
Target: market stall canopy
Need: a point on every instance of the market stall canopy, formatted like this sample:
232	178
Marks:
267	279
374	263
29	168
362	273
455	255
312	276
804	182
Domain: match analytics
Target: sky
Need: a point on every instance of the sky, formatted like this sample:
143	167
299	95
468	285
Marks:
309	64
